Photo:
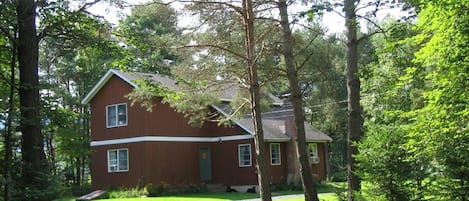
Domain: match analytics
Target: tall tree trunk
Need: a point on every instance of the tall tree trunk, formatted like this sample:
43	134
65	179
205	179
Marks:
353	87
297	103
86	138
49	139
9	126
32	152
263	170
78	171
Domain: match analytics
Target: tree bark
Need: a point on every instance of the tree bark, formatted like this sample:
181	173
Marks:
33	156
297	103
353	88
263	170
9	126
86	138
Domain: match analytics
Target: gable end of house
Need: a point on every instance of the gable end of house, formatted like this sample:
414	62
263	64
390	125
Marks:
103	81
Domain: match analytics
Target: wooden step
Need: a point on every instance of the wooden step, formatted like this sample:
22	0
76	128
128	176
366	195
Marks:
93	195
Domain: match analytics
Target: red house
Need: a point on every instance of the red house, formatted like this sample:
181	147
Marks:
133	147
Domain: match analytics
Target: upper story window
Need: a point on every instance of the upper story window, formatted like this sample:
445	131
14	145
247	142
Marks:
244	155
116	115
118	160
275	154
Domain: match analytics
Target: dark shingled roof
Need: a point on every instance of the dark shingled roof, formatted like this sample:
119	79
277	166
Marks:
163	80
273	124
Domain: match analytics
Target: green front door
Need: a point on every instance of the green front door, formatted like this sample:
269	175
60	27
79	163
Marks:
205	164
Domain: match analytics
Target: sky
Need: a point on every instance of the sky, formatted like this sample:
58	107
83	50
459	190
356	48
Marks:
332	21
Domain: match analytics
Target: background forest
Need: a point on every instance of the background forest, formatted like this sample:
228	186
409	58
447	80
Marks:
413	82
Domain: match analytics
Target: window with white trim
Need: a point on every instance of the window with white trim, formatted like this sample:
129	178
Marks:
275	156
116	115
313	150
244	155
118	160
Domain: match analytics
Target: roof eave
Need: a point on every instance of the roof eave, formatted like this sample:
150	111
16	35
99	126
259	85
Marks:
229	100
236	122
102	82
277	140
324	140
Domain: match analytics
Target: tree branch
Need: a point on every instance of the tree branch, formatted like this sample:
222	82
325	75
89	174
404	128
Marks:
213	46
56	24
235	8
381	30
309	55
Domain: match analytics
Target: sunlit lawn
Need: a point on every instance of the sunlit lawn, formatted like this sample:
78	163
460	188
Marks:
322	197
212	197
327	193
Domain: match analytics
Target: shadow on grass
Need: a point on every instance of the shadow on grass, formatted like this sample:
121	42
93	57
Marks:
329	187
227	196
332	187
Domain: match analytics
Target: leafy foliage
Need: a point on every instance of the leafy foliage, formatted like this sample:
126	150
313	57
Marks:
439	129
147	34
383	162
422	96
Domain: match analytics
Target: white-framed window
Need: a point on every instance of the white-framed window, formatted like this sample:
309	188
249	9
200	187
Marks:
275	156
244	155
118	160
313	150
116	115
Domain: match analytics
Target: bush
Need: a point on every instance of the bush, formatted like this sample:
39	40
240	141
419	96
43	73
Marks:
163	189
123	193
382	162
50	189
158	190
339	176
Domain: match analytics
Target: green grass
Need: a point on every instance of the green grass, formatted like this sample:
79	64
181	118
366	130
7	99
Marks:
212	197
170	198
322	197
65	199
327	193
186	197
333	187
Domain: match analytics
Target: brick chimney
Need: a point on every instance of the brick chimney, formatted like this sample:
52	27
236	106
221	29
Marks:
293	166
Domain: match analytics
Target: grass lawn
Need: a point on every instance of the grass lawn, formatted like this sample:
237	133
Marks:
186	197
327	193
322	197
212	197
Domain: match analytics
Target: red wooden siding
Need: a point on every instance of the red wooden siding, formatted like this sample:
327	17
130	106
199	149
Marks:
114	92
278	172
319	170
176	163
163	121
